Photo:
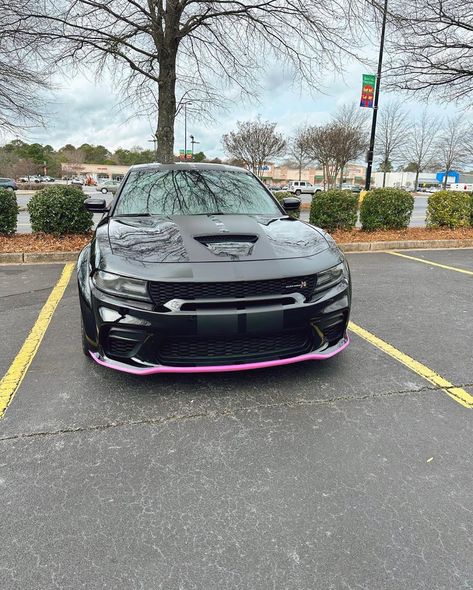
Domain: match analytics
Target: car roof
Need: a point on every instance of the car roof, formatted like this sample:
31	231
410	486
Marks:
188	166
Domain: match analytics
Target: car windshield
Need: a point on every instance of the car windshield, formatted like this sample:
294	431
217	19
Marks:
194	192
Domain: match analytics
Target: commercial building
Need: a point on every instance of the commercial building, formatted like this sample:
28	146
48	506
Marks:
426	179
275	174
95	171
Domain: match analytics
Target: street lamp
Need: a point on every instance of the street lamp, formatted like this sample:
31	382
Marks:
154	141
184	104
369	158
193	142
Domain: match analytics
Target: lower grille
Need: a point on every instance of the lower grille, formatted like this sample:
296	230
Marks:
234	350
333	326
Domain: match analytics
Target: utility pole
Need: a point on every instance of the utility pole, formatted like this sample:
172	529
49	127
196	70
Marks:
376	100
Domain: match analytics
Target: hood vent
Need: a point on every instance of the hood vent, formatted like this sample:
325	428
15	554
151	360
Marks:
230	245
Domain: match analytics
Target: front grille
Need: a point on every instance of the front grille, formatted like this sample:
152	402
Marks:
234	350
161	292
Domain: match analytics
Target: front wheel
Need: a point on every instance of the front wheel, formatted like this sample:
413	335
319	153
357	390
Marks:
103	191
297	193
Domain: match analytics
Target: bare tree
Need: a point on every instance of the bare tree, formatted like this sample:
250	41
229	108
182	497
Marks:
21	79
192	50
432	47
335	144
254	143
297	150
419	150
391	134
320	145
452	147
351	124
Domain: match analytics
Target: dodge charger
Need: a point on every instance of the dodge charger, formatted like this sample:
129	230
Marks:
199	268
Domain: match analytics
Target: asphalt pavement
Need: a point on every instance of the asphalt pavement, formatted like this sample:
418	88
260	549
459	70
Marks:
355	472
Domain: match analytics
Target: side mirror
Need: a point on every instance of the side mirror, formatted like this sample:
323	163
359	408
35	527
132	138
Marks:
291	203
96	205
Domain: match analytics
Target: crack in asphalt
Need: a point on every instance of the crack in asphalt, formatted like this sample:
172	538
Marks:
226	412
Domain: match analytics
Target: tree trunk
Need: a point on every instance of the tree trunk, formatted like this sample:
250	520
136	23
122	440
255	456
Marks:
384	178
300	171
444	183
416	181
166	106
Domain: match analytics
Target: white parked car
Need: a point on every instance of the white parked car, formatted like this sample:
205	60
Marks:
302	187
78	181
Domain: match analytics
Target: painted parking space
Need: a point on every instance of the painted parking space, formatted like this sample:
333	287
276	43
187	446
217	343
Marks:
453	259
23	291
343	473
423	310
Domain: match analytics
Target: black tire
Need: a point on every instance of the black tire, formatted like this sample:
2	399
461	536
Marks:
104	191
297	193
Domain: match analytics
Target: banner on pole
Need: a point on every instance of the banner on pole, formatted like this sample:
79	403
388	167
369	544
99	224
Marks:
367	91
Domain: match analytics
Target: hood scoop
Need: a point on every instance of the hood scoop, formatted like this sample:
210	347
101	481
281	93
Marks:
229	245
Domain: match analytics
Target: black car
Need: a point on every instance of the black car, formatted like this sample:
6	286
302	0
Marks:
196	267
8	183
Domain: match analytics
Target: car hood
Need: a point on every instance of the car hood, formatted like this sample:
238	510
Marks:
212	238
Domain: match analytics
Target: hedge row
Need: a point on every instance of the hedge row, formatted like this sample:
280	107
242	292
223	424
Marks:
60	210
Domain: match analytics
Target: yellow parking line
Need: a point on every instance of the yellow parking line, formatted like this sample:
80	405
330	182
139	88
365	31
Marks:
445	266
457	393
12	379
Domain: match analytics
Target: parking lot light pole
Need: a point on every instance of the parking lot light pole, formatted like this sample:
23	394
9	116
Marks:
193	142
185	127
369	158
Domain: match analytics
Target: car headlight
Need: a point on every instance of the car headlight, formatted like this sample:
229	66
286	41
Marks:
330	277
121	286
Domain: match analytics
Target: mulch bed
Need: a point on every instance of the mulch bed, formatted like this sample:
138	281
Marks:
411	233
43	243
74	243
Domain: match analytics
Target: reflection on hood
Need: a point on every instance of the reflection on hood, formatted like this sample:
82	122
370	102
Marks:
206	238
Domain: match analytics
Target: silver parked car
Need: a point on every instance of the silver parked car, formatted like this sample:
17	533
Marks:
109	186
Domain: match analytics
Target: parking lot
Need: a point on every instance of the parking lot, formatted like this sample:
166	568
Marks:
354	472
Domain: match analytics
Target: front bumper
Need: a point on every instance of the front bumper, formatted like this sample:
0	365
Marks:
311	356
135	338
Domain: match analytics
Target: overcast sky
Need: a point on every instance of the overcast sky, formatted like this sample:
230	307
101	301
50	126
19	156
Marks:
86	111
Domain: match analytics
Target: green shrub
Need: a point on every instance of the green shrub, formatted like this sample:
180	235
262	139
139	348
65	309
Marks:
8	212
449	209
334	209
280	195
59	210
386	208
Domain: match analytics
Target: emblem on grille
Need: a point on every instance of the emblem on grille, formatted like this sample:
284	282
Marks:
301	285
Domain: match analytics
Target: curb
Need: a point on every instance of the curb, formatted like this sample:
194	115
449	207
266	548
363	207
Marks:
35	257
405	245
